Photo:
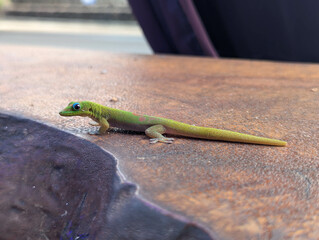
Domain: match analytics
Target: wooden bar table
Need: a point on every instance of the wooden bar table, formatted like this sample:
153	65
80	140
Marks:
234	191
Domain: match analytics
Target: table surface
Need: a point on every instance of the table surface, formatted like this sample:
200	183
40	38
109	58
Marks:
235	190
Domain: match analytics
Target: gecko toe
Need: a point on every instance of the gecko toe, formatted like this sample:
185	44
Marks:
167	140
94	123
153	140
93	133
162	140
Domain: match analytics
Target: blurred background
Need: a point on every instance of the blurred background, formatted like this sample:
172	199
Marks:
277	30
102	25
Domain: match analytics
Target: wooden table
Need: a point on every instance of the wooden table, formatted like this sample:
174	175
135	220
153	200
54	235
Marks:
239	191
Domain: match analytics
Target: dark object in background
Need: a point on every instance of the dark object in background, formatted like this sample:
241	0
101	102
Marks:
54	185
273	30
172	28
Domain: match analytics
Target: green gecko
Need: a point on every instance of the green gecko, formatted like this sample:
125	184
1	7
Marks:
155	127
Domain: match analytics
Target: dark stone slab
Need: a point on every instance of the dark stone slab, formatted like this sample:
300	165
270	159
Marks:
54	185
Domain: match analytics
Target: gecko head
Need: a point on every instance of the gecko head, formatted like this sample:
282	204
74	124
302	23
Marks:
82	109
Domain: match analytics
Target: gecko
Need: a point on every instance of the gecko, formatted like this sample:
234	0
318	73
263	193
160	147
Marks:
155	127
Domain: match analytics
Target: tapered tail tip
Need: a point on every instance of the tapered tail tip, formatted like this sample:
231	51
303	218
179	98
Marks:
281	144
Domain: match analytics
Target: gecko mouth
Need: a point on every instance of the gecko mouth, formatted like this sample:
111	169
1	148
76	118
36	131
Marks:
66	113
74	113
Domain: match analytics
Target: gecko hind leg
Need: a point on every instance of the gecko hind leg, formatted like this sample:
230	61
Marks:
155	133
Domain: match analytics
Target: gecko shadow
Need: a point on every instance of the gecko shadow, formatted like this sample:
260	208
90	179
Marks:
57	186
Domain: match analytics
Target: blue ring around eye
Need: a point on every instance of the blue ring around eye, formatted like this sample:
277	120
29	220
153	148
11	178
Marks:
76	106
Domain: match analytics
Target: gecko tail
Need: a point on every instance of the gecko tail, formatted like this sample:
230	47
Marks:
223	135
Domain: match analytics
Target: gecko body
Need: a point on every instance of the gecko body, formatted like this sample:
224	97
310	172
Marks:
155	127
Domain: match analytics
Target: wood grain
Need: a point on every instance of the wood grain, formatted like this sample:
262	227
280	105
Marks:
240	191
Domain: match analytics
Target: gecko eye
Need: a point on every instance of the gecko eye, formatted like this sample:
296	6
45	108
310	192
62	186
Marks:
76	106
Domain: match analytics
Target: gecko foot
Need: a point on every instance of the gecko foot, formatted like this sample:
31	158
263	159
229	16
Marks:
93	133
98	133
94	123
163	140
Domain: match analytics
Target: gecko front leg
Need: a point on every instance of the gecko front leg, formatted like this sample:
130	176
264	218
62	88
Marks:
104	125
155	133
